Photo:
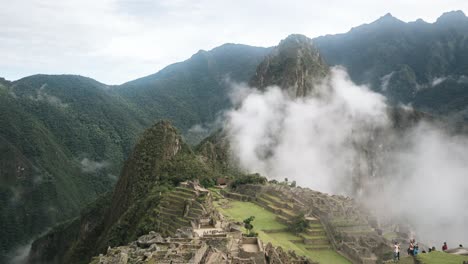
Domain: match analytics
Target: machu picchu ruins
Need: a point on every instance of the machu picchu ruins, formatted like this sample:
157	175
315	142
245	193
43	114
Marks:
194	229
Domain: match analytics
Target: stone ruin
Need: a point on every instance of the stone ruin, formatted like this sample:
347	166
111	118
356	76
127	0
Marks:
201	237
232	248
350	229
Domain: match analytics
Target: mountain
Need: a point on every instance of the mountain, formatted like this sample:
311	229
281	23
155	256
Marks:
158	163
418	63
293	65
196	90
64	138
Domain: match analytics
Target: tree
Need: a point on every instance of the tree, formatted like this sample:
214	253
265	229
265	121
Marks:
293	184
299	224
248	179
248	224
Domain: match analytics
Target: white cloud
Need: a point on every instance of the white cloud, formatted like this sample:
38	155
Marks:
91	166
43	96
438	81
309	139
385	80
118	40
343	141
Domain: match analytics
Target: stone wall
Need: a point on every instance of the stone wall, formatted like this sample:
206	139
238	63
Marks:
199	254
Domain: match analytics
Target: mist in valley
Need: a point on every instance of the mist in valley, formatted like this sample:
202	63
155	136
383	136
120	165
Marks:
342	140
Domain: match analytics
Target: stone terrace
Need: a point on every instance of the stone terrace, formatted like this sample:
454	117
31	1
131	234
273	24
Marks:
335	221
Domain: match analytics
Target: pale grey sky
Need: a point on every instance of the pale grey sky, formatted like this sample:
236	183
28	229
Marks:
114	41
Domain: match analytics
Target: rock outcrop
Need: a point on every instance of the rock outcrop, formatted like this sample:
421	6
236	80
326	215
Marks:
294	65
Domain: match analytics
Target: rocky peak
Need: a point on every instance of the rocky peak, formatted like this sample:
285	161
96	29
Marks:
387	20
4	82
295	65
158	144
452	17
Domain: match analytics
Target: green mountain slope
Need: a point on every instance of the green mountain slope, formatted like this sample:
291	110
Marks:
72	133
76	132
159	161
194	91
407	62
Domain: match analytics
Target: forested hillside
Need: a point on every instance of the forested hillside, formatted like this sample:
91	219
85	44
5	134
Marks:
64	138
194	91
418	63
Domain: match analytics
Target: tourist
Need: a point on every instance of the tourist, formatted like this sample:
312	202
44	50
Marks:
416	250
444	247
433	248
411	248
396	252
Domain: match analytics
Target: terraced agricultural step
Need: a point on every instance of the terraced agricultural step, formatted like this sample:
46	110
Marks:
318	247
169	228
175	211
183	194
186	190
174	222
181	221
285	213
171	201
168	214
273	231
312	220
261	201
283	219
316	232
175	200
288	213
323	241
296	241
193	216
275	201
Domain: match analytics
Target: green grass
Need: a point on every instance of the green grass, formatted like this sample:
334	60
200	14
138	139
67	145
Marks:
441	257
437	257
266	220
390	236
312	237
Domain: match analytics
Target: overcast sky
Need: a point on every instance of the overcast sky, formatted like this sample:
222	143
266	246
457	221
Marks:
114	41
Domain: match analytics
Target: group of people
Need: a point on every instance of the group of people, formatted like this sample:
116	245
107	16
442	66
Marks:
413	249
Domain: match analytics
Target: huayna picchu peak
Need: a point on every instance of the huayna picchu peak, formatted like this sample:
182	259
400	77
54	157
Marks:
295	65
